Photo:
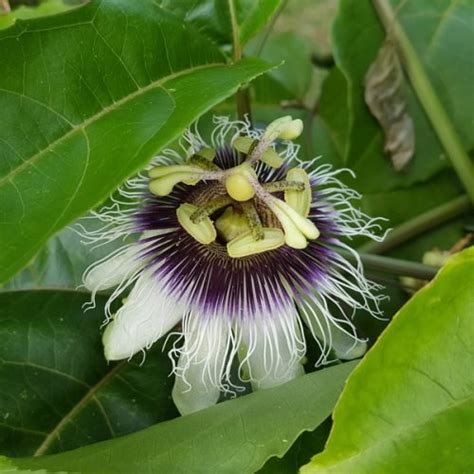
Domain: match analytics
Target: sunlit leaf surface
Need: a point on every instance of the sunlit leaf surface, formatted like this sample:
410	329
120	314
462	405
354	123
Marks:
409	406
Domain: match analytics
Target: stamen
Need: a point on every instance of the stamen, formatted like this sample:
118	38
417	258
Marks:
253	219
305	225
283	185
247	145
164	185
296	227
246	245
299	199
210	207
285	128
207	153
204	231
161	171
203	163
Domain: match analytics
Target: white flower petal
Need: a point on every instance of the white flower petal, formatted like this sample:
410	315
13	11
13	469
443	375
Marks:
202	364
146	316
113	270
271	349
336	334
345	346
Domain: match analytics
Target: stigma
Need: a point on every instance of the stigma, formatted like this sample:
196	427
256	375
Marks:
234	208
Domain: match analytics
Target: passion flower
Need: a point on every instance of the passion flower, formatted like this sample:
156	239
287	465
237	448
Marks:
238	247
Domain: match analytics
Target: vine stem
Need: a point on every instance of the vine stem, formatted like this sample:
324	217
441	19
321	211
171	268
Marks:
393	266
237	49
419	224
242	96
429	100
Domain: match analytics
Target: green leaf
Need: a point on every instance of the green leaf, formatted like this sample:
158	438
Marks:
300	452
436	30
409	405
282	83
58	392
257	15
212	17
330	127
209	17
234	436
88	97
62	261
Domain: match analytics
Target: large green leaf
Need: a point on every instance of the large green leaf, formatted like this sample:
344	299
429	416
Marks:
57	391
87	97
234	436
442	39
409	406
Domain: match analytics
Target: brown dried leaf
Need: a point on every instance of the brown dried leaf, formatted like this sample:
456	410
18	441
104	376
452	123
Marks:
385	98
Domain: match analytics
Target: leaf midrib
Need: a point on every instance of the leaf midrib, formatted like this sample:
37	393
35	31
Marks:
94	118
77	408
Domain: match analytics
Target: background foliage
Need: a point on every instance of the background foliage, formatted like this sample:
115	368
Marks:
89	94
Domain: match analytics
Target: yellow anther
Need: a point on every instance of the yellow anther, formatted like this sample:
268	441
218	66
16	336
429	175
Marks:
164	185
270	156
208	153
231	224
300	201
204	231
293	237
238	185
246	245
292	130
285	128
160	171
192	179
164	178
296	227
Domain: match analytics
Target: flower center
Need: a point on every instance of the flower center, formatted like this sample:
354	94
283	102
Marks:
236	210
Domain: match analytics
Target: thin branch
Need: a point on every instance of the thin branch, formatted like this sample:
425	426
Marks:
394	266
242	97
237	49
420	224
